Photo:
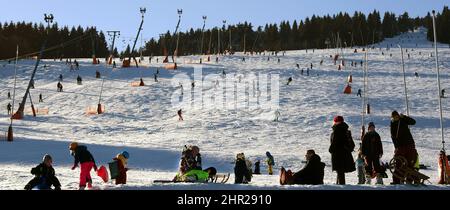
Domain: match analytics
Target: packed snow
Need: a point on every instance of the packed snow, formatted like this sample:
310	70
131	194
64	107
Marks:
143	121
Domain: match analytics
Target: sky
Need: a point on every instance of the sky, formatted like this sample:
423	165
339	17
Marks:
162	14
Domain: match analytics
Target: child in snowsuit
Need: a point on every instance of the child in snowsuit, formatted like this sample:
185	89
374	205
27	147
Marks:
242	175
270	162
44	176
122	161
85	158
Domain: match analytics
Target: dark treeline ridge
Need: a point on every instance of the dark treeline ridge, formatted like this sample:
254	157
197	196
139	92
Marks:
314	32
30	37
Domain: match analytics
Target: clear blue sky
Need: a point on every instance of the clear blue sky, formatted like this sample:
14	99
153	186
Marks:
162	15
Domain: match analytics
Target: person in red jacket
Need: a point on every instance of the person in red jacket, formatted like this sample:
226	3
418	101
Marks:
122	162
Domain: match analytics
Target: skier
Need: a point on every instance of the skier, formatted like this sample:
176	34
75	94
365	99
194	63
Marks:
289	80
372	150
59	87
40	97
403	141
8	107
79	80
122	162
60	77
9	95
312	173
341	149
84	157
241	173
180	117
359	93
44	176
270	162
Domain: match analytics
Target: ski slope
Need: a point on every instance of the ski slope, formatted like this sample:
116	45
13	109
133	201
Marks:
142	120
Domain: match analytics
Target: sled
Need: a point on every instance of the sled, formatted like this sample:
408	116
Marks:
218	178
171	66
404	173
95	110
137	84
102	172
114	169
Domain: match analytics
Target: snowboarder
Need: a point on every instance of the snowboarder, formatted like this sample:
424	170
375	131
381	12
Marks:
60	77
180	117
8	107
44	176
289	80
40	97
270	162
9	95
59	87
241	173
122	162
341	149
372	150
79	80
359	93
312	173
403	141
84	157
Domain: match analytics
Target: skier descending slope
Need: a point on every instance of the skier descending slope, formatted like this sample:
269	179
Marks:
403	141
341	149
85	158
44	176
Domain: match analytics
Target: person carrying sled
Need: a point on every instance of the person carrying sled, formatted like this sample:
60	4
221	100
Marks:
403	140
270	162
372	151
242	174
312	173
44	176
341	149
8	107
83	157
122	163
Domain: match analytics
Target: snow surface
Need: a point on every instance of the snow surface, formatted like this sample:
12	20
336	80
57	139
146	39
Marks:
142	121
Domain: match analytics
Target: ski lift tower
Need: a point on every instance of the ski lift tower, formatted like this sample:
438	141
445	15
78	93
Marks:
126	63
113	34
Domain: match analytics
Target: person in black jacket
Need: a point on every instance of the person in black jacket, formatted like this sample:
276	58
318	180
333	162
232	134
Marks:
341	149
312	173
87	162
242	175
44	176
403	141
372	150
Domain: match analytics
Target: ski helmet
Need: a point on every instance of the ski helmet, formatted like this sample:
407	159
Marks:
125	154
73	146
46	157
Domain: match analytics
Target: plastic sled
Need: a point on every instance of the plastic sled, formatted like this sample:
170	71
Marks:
114	169
102	172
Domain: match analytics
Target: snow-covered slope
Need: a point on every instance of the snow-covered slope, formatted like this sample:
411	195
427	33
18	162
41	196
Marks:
142	121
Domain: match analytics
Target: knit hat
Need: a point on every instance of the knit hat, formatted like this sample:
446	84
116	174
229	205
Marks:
338	119
371	124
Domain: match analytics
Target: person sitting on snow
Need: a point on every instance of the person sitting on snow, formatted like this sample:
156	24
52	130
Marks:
44	176
312	173
190	169
242	174
84	157
122	161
